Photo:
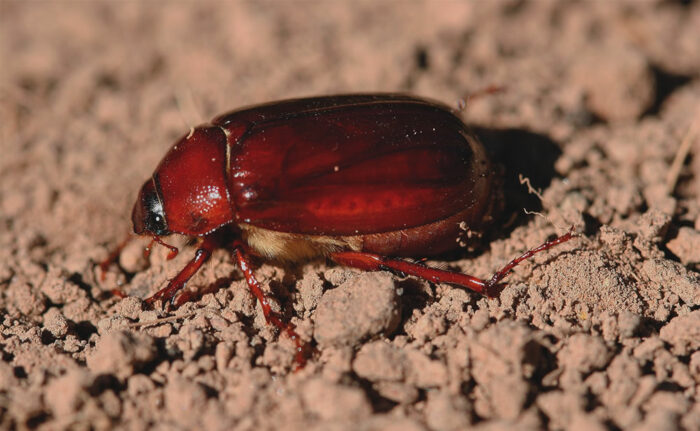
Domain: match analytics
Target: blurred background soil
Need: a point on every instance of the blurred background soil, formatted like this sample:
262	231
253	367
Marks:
600	333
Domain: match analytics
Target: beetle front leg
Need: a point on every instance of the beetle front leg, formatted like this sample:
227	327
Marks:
113	257
202	254
270	315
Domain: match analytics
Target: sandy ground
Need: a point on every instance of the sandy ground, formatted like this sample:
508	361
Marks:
600	333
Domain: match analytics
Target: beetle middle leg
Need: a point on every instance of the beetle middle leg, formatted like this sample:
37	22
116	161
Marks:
271	316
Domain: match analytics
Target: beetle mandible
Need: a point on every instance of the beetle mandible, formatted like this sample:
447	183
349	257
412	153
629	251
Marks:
353	178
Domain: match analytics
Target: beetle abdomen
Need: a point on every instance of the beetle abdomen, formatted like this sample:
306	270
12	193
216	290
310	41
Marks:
289	247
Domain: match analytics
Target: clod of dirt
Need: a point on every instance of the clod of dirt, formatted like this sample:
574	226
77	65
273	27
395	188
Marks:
694	366
617	80
586	423
586	281
624	379
22	298
131	257
646	350
379	361
561	407
424	372
59	290
584	353
655	194
653	225
121	353
686	245
55	322
504	357
444	412
78	396
618	325
7	376
311	290
358	309
683	333
182	399
68	393
383	422
397	392
129	307
329	401
674	277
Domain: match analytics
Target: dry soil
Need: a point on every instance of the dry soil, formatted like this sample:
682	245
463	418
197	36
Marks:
601	333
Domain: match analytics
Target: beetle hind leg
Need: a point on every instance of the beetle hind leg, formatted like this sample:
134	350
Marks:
491	287
375	262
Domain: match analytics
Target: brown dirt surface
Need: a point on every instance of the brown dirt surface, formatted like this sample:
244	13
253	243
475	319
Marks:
600	333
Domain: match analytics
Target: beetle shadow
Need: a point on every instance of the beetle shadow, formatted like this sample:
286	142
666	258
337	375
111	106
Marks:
519	152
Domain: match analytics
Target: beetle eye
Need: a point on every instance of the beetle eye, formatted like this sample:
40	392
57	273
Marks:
148	214
155	215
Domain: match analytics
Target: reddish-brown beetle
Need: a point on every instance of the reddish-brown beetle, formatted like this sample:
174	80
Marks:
353	178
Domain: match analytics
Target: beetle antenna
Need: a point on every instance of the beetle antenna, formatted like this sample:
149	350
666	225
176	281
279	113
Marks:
530	189
188	108
485	91
155	238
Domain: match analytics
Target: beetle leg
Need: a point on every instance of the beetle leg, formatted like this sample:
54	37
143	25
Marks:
178	282
375	262
113	256
270	315
155	238
498	276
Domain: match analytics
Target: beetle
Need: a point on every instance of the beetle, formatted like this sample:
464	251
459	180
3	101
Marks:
353	178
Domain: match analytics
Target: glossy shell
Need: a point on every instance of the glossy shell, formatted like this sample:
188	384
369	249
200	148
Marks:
394	171
349	165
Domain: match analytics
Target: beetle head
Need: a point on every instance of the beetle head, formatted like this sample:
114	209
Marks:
188	193
148	214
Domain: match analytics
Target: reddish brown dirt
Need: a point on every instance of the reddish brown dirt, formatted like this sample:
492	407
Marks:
600	333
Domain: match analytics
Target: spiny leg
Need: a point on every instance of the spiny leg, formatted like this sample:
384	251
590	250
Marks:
375	262
499	275
113	256
109	260
270	315
167	294
202	254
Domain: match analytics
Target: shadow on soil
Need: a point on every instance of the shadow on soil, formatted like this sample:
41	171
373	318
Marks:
519	152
